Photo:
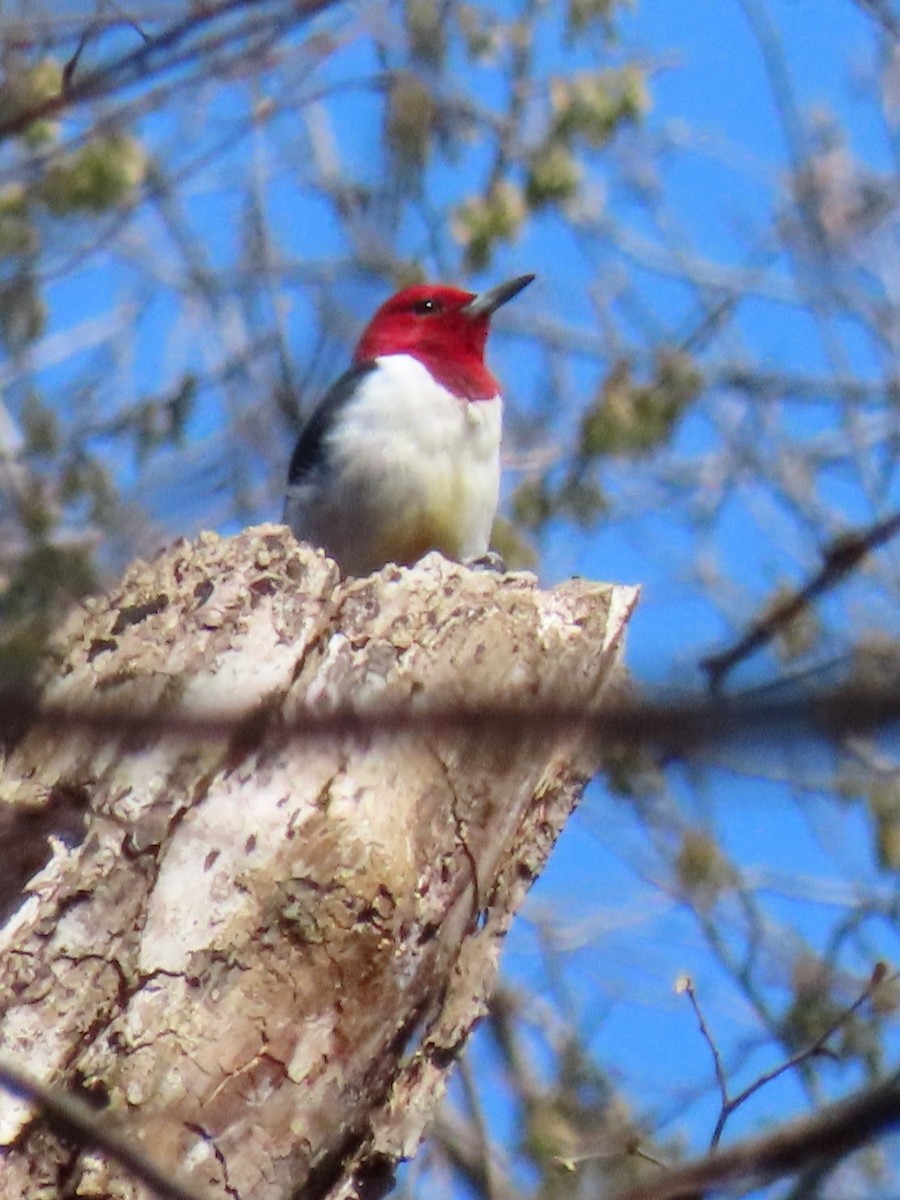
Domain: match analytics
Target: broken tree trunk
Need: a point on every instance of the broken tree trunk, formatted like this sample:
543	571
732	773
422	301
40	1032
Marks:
264	954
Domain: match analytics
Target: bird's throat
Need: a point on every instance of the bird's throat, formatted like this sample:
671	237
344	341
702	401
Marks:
464	376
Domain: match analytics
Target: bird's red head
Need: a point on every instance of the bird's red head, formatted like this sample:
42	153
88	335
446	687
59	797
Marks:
445	328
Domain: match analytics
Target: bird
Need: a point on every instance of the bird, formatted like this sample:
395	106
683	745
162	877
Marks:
402	454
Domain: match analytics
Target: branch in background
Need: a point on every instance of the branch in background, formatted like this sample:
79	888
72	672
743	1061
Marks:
881	12
678	728
841	558
76	1121
461	1142
731	1103
156	55
826	1136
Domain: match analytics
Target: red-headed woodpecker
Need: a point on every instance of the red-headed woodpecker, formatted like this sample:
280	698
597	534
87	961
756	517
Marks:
402	455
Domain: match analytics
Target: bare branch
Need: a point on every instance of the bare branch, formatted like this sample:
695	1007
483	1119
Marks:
167	51
74	1119
678	727
731	1103
881	12
833	1132
840	558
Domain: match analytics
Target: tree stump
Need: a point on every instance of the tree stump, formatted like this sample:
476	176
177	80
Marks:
262	955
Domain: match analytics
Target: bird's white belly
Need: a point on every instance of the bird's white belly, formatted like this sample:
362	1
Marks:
418	468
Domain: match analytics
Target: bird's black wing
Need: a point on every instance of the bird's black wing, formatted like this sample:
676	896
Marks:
310	453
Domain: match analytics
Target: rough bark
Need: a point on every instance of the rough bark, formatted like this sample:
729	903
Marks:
264	954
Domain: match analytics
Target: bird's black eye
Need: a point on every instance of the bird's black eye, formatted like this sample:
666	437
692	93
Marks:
425	308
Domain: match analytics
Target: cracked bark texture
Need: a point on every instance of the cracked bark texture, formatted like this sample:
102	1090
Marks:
260	957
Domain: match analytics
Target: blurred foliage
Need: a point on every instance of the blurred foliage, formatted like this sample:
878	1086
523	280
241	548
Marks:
35	596
410	120
594	106
91	179
56	471
554	175
100	176
632	771
702	873
884	805
815	1008
483	221
532	505
23	312
631	419
582	13
23	90
575	1129
512	547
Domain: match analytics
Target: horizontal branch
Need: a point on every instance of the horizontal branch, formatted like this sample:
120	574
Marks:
677	727
829	1134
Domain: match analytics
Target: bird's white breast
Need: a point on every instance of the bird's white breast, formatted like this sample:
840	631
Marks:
416	466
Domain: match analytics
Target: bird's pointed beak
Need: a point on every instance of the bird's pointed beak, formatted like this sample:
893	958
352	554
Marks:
486	303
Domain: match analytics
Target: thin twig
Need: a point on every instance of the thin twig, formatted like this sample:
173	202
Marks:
731	1103
686	985
815	1047
476	1113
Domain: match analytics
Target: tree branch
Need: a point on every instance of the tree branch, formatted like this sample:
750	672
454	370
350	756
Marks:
827	1135
841	558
